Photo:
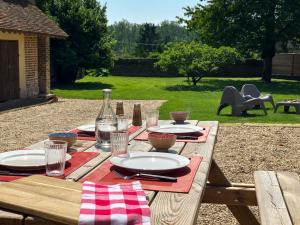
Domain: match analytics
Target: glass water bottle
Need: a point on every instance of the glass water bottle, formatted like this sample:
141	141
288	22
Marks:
106	121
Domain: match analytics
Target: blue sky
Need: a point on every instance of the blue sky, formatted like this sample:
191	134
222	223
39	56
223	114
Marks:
141	11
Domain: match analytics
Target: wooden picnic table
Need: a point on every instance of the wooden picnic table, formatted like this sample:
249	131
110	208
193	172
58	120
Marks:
209	186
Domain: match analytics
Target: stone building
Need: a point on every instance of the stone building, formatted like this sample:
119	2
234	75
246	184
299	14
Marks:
25	49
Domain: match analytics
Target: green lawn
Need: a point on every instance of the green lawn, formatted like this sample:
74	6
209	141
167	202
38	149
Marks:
202	101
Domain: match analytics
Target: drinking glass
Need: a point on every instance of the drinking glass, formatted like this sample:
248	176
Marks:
122	123
151	118
119	143
55	157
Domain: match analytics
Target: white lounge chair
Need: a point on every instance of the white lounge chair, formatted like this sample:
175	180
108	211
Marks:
232	97
250	90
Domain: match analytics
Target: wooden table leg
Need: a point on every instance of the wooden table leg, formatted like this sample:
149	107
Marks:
242	213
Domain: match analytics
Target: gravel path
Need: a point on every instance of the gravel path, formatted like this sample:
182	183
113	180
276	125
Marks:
239	152
21	128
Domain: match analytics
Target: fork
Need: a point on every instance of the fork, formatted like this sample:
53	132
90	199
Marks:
146	175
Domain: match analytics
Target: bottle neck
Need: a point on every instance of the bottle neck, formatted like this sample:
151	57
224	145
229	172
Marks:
106	97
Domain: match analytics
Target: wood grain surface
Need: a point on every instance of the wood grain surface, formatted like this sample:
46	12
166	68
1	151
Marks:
272	207
290	187
45	197
178	208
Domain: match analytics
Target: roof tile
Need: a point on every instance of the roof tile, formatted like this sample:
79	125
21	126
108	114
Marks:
21	15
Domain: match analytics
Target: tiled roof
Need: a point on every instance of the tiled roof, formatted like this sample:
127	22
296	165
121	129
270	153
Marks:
20	15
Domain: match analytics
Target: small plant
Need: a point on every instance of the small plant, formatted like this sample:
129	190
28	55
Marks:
195	60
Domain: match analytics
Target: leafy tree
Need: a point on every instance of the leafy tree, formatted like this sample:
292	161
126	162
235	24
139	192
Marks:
126	35
250	26
172	31
89	44
148	40
195	60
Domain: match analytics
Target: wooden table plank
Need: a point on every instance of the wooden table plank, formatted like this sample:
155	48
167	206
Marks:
272	208
178	208
290	187
49	198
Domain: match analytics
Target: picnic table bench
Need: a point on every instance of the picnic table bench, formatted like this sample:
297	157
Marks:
278	196
210	185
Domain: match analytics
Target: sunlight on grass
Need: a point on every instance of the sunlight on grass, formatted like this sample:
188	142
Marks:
202	101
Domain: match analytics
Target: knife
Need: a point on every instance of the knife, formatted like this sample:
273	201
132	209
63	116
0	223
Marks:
85	135
160	177
187	137
8	173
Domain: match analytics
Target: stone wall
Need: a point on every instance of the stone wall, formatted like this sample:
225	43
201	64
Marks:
139	67
31	64
145	67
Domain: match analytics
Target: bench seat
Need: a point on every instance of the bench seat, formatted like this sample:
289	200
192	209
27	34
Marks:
278	197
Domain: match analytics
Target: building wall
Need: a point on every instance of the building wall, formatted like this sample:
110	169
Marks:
44	64
31	64
22	77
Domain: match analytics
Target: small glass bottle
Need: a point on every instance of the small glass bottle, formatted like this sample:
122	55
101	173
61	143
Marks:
120	109
137	115
106	121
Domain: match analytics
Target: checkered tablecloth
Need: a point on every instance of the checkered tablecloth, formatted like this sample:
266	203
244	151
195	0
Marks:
114	204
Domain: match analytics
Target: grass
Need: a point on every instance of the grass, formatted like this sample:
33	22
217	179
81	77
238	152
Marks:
202	101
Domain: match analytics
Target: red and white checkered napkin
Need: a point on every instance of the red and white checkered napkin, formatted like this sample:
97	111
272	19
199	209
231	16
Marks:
113	204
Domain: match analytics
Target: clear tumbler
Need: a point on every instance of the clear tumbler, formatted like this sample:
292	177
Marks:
152	118
119	143
55	157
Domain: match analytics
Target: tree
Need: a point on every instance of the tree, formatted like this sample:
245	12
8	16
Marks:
249	26
126	35
148	41
89	44
172	31
195	60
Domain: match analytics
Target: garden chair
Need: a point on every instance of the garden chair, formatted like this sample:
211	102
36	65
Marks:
232	97
251	91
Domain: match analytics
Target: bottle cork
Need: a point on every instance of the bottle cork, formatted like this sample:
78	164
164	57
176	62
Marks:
137	115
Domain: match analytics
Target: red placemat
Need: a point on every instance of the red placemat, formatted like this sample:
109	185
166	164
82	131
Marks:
78	159
91	135
202	136
185	177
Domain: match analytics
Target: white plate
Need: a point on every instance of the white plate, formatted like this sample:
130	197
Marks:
25	159
87	128
175	129
151	161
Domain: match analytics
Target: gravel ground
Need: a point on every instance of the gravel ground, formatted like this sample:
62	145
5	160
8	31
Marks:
240	150
21	128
